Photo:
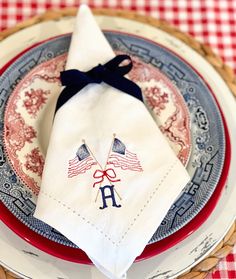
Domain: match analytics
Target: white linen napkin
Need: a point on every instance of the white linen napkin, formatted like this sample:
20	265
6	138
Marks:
109	176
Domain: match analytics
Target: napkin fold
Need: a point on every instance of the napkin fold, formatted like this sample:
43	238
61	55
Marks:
109	176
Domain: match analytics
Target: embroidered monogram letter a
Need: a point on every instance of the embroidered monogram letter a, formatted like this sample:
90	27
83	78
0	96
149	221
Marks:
108	196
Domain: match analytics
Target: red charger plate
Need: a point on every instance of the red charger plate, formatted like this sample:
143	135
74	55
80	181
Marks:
77	255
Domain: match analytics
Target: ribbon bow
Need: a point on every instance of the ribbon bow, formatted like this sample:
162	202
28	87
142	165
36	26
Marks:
108	173
111	73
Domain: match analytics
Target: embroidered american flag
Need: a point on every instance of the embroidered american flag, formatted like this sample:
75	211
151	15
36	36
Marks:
123	158
82	162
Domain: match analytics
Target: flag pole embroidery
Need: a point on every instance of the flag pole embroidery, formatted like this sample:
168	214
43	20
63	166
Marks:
108	173
118	156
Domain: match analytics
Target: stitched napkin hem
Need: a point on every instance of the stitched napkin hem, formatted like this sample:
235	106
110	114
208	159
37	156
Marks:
93	240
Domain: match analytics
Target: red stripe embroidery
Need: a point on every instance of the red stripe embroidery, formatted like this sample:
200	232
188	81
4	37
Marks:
128	161
78	167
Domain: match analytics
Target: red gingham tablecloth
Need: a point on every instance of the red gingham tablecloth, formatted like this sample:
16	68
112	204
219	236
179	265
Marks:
210	21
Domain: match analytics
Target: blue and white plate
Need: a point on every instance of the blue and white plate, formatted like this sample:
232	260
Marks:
207	131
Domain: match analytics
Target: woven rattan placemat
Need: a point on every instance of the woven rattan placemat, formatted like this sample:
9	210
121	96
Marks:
226	245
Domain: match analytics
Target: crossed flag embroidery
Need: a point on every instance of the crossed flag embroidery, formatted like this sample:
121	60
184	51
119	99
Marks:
118	157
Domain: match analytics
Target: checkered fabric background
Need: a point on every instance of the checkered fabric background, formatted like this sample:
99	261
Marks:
210	21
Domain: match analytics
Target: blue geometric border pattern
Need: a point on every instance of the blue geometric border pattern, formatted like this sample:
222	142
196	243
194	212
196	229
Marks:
208	140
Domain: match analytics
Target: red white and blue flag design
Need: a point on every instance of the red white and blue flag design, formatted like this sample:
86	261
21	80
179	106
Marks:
118	156
122	158
82	162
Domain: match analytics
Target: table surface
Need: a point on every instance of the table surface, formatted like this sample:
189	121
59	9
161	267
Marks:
212	22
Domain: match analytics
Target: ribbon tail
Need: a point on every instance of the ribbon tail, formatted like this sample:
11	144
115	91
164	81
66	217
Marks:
125	85
114	180
95	183
65	95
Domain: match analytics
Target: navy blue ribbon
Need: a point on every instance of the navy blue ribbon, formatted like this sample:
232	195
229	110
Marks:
111	73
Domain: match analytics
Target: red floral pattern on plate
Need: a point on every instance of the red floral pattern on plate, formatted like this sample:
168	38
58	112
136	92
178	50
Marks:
16	135
35	161
27	114
35	100
156	99
22	123
166	105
